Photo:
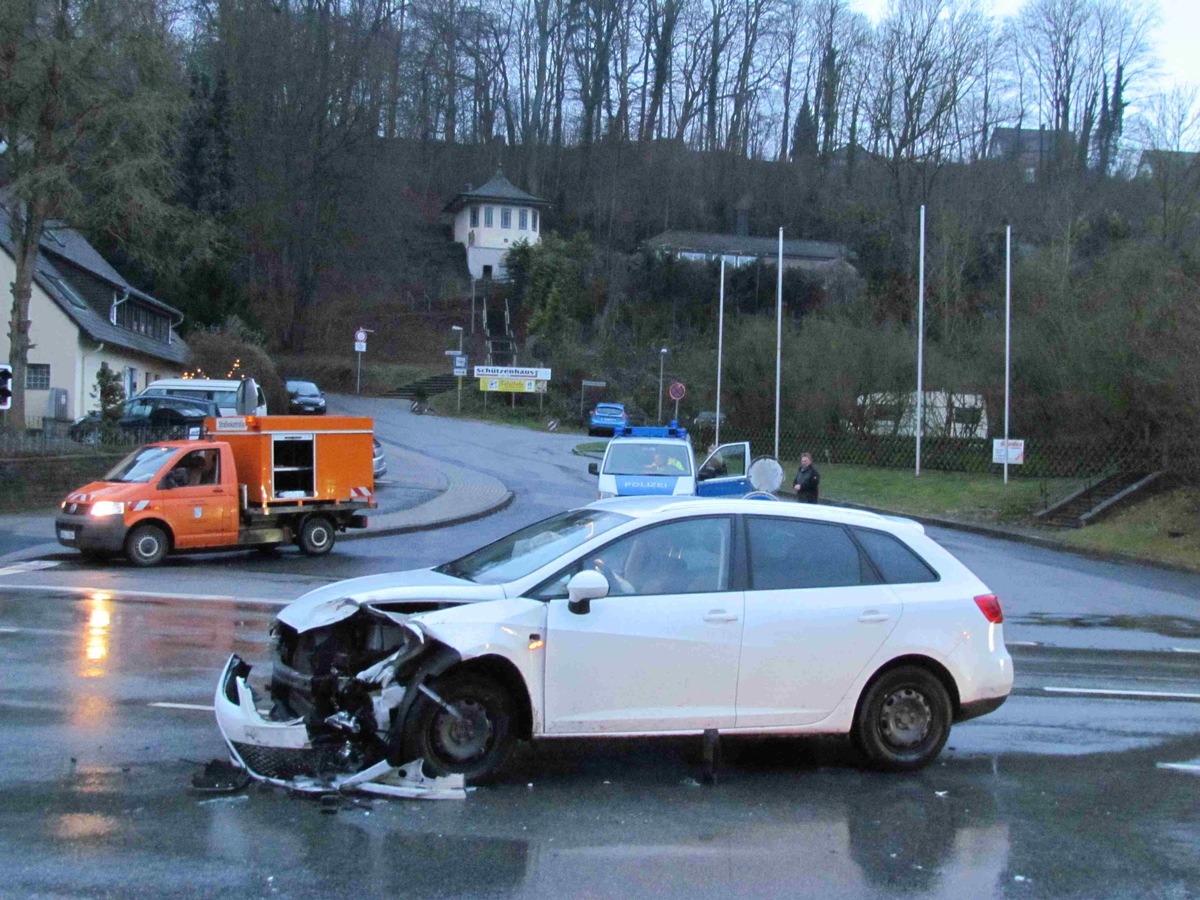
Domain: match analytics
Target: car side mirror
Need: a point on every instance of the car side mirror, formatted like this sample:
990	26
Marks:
583	588
705	473
593	469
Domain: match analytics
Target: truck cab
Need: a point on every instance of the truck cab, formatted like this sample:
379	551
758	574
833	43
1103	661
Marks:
660	460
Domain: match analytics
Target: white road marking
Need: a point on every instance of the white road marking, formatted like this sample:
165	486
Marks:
1185	650
5	629
33	565
1023	643
150	595
1182	767
1111	692
199	707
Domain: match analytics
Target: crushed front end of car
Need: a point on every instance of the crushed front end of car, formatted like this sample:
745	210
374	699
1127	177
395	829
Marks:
333	715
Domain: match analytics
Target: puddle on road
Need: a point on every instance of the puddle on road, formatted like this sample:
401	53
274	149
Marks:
1167	626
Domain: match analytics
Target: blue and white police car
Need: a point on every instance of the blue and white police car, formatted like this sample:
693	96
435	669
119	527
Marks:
659	460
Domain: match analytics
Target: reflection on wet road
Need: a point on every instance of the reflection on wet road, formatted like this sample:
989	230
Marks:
1050	796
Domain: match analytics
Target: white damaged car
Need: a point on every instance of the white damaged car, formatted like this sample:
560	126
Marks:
629	617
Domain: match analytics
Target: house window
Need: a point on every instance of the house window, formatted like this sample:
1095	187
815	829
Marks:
474	216
37	377
535	224
505	217
487	217
523	219
142	320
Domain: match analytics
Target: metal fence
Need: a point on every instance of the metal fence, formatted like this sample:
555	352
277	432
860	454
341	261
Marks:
1063	458
54	438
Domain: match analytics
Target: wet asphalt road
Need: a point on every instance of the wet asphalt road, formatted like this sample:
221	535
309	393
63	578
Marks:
1061	793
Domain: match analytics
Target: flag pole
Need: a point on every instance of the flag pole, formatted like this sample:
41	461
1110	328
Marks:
720	348
1007	336
778	341
921	343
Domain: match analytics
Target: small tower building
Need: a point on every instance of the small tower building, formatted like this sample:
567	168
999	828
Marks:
489	220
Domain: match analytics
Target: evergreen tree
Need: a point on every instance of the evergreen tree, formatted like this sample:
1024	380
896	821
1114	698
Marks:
804	134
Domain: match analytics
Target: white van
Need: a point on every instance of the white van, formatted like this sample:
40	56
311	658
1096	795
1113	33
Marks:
223	391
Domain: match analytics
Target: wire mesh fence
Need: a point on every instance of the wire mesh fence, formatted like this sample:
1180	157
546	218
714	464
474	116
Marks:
55	438
1078	458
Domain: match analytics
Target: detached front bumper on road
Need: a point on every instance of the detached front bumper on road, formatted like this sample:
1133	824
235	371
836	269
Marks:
283	753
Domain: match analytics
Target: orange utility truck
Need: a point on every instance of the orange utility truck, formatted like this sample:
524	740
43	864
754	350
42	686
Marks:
252	481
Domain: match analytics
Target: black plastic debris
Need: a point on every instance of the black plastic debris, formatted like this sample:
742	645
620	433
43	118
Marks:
220	777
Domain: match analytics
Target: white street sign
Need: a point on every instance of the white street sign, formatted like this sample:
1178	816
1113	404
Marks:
360	336
1015	451
360	346
512	373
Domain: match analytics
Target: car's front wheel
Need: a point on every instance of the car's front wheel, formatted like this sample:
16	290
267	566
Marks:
146	545
473	737
903	720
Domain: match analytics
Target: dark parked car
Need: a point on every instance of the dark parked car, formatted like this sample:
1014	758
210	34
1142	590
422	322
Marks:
304	398
149	418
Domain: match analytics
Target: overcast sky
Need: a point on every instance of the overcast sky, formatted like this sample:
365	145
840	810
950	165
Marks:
1176	37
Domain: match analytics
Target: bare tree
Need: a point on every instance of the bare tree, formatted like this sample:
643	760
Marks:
89	99
1169	133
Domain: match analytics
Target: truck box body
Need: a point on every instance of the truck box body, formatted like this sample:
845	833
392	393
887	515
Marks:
285	459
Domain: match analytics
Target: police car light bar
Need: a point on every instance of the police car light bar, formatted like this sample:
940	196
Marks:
671	430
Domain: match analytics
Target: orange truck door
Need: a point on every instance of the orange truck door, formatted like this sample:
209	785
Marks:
199	500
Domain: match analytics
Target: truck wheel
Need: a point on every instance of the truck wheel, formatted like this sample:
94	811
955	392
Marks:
146	545
316	536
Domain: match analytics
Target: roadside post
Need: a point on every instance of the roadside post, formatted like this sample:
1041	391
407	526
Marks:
460	371
583	391
677	392
360	347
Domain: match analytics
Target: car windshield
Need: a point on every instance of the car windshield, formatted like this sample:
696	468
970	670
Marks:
527	550
303	389
141	465
647	458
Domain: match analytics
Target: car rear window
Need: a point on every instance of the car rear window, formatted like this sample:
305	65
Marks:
793	553
896	562
607	409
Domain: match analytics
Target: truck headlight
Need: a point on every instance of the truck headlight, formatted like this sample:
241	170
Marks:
108	508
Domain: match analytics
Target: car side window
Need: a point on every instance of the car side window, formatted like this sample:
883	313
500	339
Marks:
684	557
895	560
794	553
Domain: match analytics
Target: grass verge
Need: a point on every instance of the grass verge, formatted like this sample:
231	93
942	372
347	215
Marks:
499	408
952	495
1164	528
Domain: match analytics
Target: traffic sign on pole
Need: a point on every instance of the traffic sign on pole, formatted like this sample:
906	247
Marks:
677	391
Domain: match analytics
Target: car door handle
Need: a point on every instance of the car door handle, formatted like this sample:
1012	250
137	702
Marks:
719	615
873	615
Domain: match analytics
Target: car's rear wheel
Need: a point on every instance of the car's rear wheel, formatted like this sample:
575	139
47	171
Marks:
473	738
903	720
316	536
146	545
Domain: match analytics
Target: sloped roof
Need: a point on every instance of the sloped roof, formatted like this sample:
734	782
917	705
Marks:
80	281
1007	141
498	187
744	245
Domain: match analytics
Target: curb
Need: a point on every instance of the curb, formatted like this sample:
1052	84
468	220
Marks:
1023	538
432	524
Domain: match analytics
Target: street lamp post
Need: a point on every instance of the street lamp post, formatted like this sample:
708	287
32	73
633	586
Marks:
662	359
458	402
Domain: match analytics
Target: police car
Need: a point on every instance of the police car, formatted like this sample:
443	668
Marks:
659	460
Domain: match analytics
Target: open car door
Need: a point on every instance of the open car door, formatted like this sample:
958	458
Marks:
726	472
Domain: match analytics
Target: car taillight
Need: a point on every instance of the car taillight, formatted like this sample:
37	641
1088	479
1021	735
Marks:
989	605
